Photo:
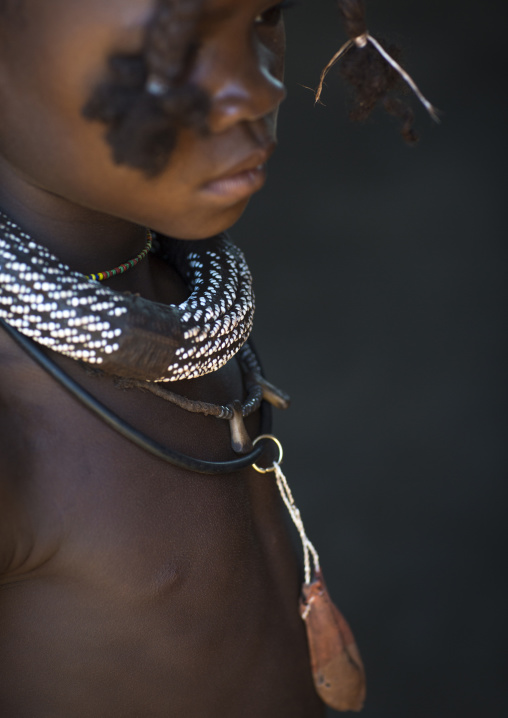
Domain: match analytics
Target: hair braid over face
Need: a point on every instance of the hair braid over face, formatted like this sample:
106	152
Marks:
146	98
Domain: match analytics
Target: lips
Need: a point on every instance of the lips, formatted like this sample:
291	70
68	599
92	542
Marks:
242	179
256	159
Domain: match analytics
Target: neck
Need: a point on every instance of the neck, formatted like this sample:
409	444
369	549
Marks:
86	240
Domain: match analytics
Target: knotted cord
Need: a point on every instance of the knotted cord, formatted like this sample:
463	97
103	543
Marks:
287	497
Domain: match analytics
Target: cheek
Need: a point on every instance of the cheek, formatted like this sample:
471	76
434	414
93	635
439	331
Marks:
41	97
47	70
47	142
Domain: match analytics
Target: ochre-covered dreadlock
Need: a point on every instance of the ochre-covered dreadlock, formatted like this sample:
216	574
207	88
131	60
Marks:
372	68
147	98
373	81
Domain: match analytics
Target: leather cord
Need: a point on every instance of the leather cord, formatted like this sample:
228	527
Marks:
115	422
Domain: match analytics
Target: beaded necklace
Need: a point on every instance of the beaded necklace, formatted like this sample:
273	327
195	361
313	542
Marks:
101	276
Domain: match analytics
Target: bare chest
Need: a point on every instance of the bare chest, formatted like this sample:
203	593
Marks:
67	474
120	565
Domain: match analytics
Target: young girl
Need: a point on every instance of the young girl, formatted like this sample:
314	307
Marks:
145	569
130	586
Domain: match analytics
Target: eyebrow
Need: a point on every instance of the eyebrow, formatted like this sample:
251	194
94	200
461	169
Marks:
217	15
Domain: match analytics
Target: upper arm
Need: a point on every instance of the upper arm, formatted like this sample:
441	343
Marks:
14	460
8	475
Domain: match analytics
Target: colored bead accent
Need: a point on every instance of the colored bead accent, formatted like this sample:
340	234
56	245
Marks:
101	276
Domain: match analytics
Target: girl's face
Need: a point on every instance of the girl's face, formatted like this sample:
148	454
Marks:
54	53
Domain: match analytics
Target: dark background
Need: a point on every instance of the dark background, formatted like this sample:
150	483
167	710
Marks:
380	277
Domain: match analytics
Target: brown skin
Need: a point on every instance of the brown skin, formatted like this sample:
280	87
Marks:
128	588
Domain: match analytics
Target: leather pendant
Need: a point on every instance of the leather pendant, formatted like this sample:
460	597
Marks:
337	668
240	440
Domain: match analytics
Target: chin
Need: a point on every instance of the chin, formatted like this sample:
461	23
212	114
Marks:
210	227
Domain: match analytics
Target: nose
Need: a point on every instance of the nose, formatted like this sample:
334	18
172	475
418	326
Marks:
243	84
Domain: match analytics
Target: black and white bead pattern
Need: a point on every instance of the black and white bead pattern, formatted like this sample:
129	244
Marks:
119	332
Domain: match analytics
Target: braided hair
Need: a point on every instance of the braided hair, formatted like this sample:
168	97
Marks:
372	68
146	97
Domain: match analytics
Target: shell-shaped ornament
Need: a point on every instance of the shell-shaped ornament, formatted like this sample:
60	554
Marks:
337	669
